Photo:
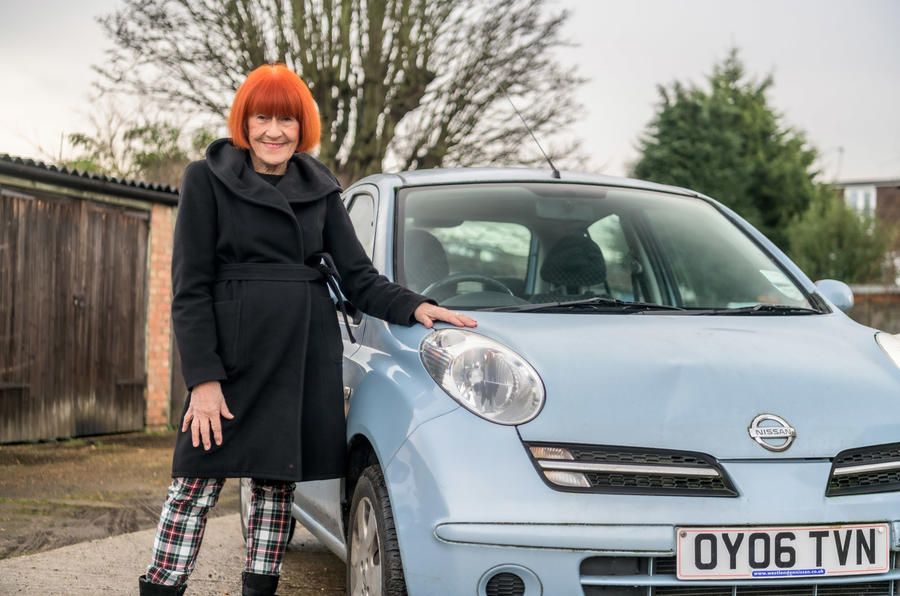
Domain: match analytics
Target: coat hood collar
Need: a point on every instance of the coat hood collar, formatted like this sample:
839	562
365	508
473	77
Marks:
306	179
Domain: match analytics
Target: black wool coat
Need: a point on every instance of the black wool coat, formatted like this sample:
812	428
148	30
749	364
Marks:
250	312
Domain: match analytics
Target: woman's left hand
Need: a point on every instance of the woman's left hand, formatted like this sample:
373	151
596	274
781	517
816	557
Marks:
427	313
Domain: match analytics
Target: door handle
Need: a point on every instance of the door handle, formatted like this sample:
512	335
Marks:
347	392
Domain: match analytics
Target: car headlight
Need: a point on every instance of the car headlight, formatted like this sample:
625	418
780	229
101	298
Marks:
484	376
891	346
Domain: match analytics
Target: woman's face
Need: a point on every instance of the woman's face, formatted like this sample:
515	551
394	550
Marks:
273	140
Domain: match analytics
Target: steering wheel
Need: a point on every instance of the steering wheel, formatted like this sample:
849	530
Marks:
487	282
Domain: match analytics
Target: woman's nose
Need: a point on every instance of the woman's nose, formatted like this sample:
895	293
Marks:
272	128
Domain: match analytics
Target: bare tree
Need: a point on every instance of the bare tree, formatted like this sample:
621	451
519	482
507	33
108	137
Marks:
133	144
105	149
419	82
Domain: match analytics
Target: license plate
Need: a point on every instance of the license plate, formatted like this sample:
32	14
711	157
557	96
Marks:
782	552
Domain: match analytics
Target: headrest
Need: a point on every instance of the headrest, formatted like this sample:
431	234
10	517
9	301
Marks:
424	259
575	260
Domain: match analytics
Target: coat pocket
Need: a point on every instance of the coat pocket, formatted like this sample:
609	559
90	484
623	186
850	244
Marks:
228	327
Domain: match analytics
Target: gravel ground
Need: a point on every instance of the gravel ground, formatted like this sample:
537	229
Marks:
57	493
78	517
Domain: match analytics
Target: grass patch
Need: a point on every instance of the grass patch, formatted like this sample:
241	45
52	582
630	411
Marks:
159	432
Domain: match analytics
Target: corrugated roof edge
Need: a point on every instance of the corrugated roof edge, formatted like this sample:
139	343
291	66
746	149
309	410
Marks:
134	189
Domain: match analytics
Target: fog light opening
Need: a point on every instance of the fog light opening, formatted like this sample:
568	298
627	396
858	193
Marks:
509	580
505	584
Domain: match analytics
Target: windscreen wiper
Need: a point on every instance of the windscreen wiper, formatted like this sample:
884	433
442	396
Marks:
596	304
764	309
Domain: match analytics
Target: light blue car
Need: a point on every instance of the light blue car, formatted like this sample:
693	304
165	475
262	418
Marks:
656	401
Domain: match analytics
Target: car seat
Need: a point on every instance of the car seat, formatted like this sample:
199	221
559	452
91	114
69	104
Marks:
424	259
572	266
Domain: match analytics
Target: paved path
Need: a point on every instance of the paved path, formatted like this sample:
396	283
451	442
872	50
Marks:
112	565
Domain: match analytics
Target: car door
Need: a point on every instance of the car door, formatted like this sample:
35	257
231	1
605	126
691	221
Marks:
317	504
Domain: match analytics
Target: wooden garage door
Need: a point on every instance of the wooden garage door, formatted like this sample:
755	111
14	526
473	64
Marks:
73	304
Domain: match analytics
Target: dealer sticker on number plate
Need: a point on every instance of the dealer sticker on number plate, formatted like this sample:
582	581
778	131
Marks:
782	552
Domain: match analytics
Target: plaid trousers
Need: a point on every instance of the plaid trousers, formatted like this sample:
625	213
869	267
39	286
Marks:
183	520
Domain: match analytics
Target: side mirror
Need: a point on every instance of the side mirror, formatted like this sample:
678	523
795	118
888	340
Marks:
837	292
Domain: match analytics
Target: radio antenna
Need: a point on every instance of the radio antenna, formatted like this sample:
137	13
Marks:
531	132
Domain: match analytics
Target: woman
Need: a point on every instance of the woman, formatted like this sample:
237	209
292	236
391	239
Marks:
260	230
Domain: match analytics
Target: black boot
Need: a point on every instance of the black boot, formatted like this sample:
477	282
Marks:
257	584
148	589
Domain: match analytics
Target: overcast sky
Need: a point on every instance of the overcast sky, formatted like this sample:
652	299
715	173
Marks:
836	65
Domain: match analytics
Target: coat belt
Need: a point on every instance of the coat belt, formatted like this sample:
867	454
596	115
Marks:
269	272
323	270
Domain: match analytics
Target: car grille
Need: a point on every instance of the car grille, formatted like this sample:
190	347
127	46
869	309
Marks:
873	469
660	572
629	470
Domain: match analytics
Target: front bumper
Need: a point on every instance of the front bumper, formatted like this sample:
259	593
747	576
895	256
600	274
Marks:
467	501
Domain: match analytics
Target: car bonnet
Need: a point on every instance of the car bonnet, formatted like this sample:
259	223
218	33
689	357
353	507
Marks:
697	382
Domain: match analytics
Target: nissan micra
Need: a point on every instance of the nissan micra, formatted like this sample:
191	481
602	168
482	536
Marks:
656	401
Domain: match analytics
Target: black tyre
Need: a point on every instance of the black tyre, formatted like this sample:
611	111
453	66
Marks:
244	496
374	567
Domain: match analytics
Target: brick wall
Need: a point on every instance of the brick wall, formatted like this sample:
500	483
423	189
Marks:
877	306
162	222
887	209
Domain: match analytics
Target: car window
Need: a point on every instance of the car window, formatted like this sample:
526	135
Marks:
362	215
495	249
519	244
488	247
700	258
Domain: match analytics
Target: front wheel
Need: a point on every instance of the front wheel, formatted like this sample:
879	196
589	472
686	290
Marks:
244	495
374	567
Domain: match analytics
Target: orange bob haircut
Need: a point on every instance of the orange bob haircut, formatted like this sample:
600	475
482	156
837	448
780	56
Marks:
274	90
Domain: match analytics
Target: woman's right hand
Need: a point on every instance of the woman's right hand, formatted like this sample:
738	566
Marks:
207	405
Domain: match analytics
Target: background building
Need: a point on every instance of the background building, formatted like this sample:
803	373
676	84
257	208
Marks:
878	306
85	339
878	198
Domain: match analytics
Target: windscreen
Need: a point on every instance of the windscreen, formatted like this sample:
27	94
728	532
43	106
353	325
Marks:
494	245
